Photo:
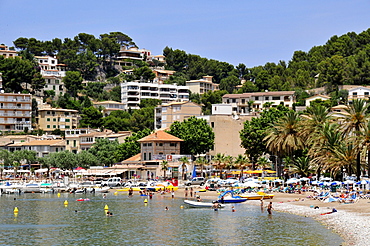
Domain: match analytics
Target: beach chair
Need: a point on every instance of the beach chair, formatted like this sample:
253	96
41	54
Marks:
324	196
353	198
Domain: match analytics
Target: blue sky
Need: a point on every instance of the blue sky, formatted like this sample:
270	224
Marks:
249	32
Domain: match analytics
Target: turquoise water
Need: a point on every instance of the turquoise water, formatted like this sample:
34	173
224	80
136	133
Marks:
44	220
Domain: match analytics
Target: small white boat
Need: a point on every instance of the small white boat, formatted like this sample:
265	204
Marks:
196	204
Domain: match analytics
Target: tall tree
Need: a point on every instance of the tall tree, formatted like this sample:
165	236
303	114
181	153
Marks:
73	82
198	136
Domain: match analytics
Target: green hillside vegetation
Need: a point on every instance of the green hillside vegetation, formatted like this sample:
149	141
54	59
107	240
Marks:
342	60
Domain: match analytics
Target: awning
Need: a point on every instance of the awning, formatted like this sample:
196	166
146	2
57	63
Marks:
42	170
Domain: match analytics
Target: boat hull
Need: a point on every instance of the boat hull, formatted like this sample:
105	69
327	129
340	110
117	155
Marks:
195	204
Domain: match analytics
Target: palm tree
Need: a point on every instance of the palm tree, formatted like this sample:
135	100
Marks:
285	137
164	165
219	159
302	166
263	162
229	162
184	160
241	162
355	120
313	120
201	161
365	142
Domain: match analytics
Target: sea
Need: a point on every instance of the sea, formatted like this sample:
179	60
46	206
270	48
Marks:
47	219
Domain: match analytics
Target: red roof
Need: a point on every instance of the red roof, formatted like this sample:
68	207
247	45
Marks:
160	136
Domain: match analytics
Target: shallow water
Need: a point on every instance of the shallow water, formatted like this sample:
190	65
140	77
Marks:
44	220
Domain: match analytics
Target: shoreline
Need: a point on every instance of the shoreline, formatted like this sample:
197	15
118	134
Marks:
350	221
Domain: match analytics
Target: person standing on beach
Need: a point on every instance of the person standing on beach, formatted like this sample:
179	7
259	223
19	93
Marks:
191	191
269	208
261	205
186	192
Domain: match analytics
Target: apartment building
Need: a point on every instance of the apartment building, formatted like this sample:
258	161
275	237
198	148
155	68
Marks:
86	141
50	66
45	147
133	92
50	119
109	106
53	73
15	112
167	114
162	75
202	86
6	52
241	103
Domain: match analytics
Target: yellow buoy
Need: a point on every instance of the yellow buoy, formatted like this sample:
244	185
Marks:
15	210
181	207
106	207
115	193
145	200
58	194
66	202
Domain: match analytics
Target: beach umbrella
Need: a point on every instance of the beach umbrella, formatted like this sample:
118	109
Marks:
304	179
315	182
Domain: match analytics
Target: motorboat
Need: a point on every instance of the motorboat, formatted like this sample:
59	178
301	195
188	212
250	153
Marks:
230	199
196	204
257	196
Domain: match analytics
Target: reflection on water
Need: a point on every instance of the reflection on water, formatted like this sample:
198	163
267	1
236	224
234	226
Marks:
44	220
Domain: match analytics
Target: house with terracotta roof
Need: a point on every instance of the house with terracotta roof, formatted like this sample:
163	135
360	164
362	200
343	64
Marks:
42	147
6	52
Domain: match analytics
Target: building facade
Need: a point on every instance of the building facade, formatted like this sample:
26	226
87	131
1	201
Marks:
6	52
109	106
15	112
50	119
248	102
133	92
202	86
167	114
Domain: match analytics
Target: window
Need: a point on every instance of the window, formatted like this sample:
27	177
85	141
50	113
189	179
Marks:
67	142
256	98
74	143
54	119
266	98
160	144
54	126
56	149
275	98
48	126
67	120
67	127
173	144
47	119
144	156
145	144
149	144
366	93
150	156
212	124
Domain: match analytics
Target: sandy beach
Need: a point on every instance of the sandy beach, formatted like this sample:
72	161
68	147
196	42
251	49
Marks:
350	221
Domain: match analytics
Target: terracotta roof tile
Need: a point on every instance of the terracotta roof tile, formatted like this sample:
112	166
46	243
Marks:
160	136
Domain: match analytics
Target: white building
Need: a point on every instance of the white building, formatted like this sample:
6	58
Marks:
201	86
359	92
133	92
241	102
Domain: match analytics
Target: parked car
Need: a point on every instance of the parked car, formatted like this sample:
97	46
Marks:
196	181
112	182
